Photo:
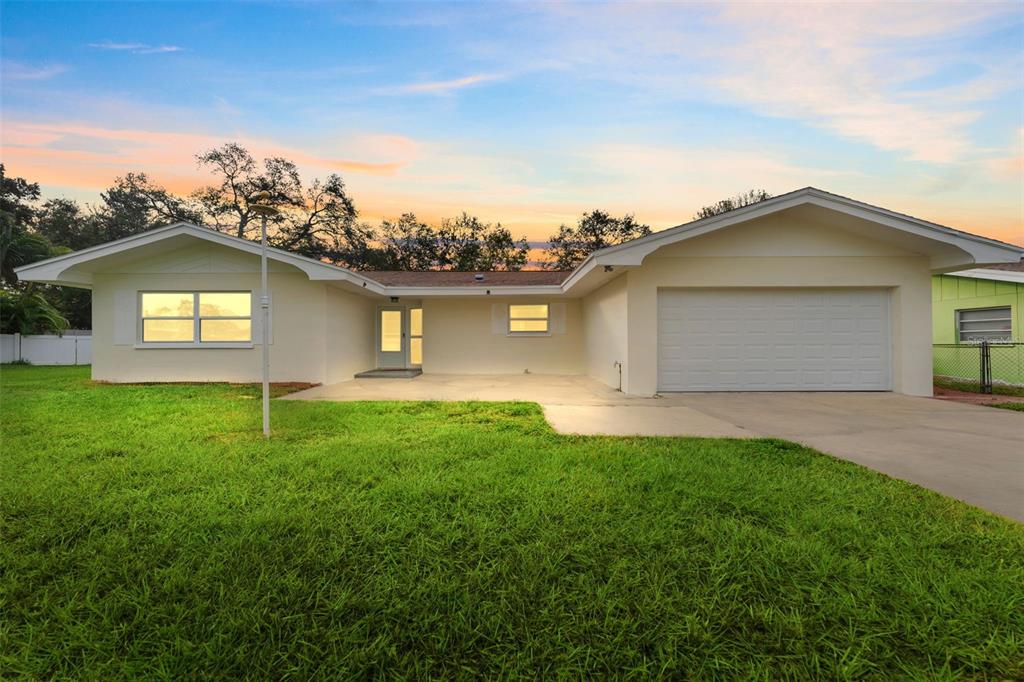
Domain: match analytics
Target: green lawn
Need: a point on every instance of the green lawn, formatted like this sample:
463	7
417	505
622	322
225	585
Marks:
148	531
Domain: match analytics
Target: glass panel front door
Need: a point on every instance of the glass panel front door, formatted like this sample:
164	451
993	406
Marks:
391	338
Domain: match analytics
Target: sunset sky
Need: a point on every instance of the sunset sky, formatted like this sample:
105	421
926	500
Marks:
531	114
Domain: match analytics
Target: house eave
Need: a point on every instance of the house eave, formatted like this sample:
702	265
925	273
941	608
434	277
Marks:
57	270
976	249
968	250
995	275
476	290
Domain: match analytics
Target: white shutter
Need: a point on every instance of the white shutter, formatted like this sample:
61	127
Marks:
126	316
499	318
556	318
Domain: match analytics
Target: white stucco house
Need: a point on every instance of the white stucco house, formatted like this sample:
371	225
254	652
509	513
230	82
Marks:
807	291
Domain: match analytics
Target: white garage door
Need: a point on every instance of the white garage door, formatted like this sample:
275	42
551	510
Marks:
773	340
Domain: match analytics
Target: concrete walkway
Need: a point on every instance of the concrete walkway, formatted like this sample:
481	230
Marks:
969	452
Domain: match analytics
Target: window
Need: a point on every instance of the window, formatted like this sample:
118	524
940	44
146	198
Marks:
191	317
416	336
984	324
390	331
528	319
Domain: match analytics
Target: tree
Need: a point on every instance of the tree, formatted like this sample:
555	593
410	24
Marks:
16	198
227	205
463	243
74	305
466	244
135	204
742	199
63	222
27	311
593	231
407	244
502	252
19	245
325	226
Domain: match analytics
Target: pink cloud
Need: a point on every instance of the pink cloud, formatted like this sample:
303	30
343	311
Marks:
439	87
89	156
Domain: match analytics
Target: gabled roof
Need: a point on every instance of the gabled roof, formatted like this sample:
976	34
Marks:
950	250
71	268
969	248
451	278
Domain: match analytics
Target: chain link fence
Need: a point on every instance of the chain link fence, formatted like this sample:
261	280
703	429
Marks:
980	364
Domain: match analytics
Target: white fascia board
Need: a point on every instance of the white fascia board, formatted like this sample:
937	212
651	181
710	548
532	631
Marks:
984	273
476	290
633	252
588	264
901	220
980	249
51	269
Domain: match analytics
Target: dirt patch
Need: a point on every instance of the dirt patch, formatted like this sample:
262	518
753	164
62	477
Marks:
277	388
942	393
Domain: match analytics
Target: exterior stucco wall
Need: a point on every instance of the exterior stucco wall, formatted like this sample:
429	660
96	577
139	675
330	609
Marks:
350	335
774	252
605	332
468	336
300	309
950	294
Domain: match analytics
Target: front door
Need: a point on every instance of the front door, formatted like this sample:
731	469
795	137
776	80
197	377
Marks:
391	337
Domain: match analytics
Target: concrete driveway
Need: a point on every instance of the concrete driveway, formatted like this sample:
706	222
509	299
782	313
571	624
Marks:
969	452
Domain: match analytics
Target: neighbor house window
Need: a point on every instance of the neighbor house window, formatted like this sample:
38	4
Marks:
196	317
984	324
528	319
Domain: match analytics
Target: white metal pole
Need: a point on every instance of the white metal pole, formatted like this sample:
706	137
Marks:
265	306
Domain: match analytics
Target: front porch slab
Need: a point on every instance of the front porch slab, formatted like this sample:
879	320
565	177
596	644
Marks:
547	389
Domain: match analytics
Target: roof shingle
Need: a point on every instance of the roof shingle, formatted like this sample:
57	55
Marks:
1011	267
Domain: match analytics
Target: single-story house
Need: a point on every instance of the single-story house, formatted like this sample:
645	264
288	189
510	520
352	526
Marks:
980	304
806	291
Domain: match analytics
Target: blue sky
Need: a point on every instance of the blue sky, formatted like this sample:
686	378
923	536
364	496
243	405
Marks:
532	114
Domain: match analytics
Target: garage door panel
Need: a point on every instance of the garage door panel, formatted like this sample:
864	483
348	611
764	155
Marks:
773	340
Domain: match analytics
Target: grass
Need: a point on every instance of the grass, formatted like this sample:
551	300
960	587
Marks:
148	531
1009	406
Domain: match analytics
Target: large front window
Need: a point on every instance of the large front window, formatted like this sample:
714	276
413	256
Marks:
196	317
528	319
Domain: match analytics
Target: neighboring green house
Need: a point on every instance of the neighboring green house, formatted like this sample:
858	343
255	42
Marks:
984	304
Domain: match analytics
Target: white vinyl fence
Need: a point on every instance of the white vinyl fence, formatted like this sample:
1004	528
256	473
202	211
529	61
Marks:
46	349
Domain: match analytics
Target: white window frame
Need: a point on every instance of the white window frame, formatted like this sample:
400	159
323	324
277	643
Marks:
509	318
1008	318
197	320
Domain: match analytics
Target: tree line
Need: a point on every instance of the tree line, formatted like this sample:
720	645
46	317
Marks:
317	219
